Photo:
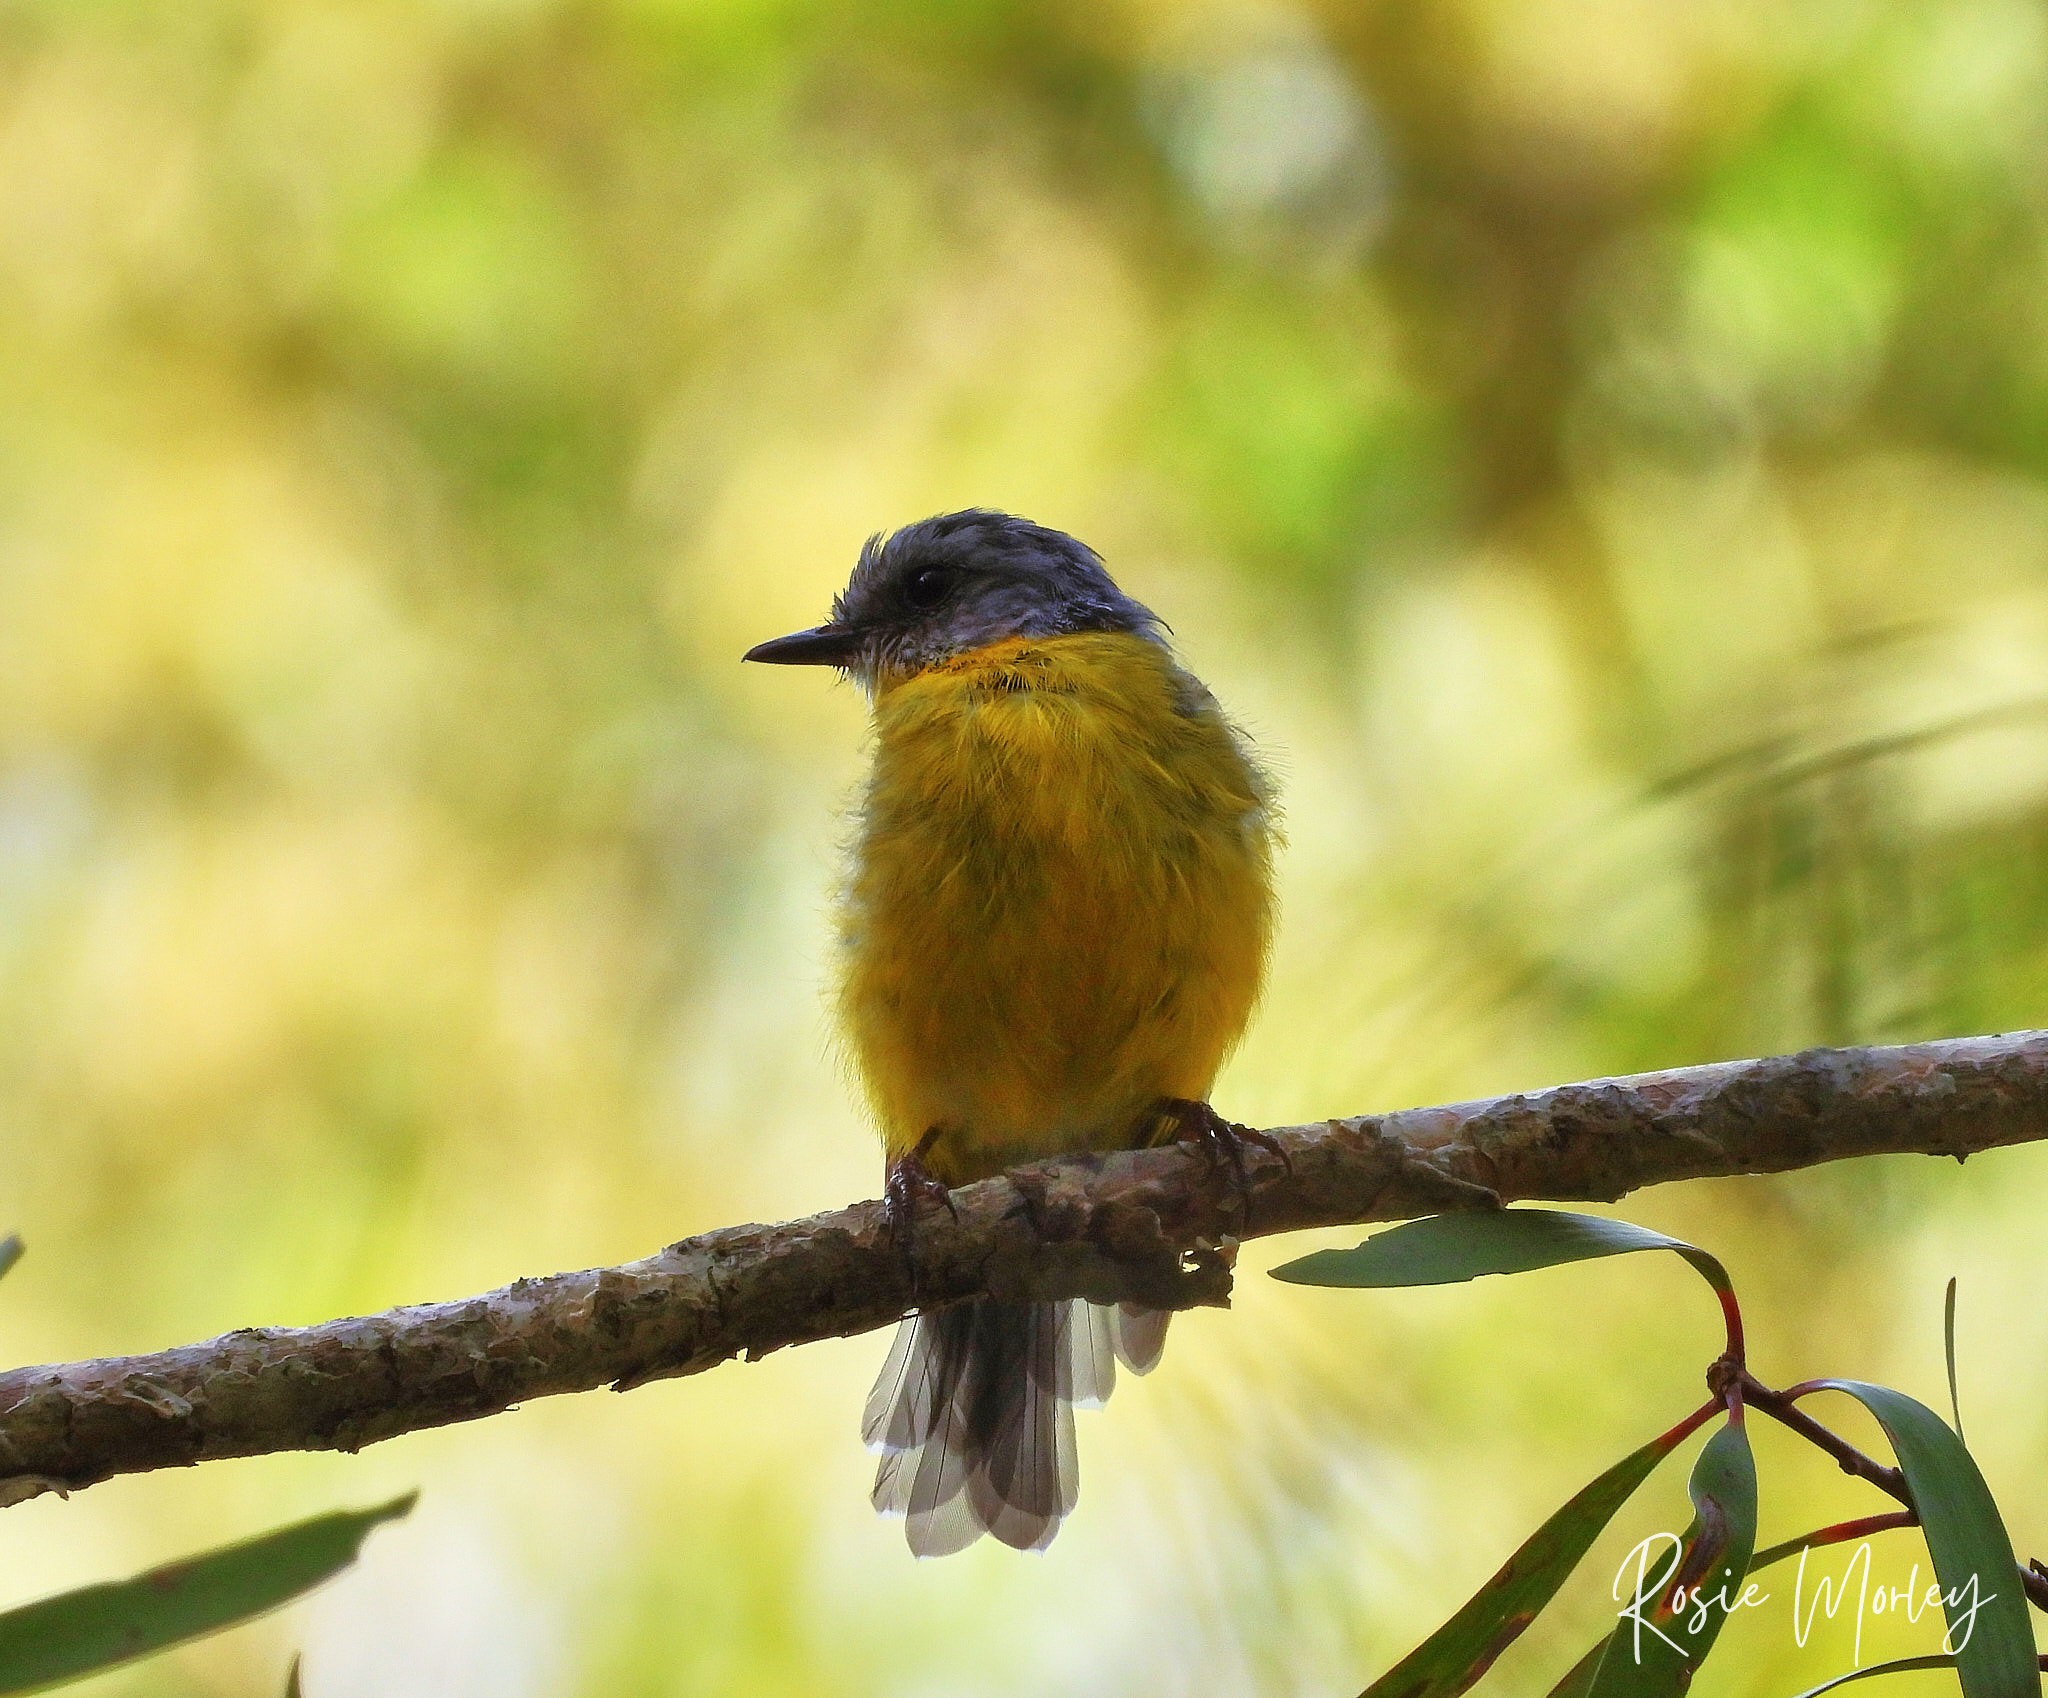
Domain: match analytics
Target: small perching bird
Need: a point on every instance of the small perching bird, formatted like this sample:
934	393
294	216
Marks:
1053	930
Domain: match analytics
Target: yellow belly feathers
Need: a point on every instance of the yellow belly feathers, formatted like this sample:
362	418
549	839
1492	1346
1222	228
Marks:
1059	904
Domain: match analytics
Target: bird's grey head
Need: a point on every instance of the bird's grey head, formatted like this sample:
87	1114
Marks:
958	582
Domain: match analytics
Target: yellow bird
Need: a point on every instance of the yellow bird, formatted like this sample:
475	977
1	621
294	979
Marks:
1053	930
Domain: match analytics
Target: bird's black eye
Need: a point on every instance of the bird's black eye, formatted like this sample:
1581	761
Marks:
927	588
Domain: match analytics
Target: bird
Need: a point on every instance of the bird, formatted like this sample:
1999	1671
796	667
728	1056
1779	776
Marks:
1052	929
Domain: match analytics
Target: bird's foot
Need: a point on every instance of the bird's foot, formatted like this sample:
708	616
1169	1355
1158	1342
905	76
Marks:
1223	1141
910	1182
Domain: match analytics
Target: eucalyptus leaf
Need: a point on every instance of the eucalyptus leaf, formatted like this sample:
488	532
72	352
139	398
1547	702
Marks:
1656	1649
1898	1665
11	1248
1989	1631
1449	1249
1578	1679
1793	1547
1948	1350
76	1633
1454	1657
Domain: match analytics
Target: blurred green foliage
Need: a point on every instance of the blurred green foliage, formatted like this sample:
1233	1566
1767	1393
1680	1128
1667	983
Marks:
1598	447
61	1640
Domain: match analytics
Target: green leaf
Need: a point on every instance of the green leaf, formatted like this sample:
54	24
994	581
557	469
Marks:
1448	1249
1989	1632
78	1632
1899	1665
1578	1679
1827	1536
1459	1652
11	1248
1655	1649
1948	1350
292	1689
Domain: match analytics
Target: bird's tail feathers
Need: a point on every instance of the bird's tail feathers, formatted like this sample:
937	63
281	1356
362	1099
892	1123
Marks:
973	1415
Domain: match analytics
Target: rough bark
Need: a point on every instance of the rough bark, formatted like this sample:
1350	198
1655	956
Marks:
1141	1224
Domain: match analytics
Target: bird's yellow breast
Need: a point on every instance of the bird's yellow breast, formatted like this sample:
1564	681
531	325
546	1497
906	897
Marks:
1059	902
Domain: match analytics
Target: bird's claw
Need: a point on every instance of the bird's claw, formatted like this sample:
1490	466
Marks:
910	1182
1223	1141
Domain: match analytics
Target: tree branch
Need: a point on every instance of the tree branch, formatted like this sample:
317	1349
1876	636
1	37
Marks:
1144	1225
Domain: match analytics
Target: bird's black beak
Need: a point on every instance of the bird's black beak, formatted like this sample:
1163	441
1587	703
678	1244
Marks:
823	645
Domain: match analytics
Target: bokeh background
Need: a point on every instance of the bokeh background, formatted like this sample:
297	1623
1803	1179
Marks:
1599	449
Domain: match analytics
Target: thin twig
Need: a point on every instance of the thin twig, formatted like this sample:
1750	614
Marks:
1781	1407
